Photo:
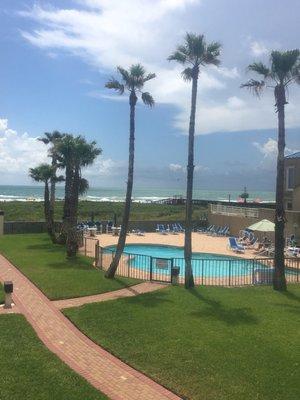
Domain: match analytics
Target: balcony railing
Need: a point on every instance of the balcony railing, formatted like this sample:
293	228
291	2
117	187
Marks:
234	211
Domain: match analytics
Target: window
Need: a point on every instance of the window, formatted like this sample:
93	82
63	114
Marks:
290	178
289	205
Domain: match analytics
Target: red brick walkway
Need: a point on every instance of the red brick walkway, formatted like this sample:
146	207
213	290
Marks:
104	371
135	290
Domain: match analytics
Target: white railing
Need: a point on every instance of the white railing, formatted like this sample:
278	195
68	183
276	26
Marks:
234	211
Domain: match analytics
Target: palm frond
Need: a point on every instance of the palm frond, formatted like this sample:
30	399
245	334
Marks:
44	140
137	70
42	173
260	69
178	56
212	53
254	86
283	64
148	99
116	85
195	44
149	77
187	74
125	75
83	186
59	178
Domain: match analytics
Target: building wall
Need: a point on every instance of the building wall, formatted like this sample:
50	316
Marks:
292	196
238	223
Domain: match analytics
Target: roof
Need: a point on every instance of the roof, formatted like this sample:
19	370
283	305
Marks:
294	155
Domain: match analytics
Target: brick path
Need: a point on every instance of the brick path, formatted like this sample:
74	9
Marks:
104	371
135	290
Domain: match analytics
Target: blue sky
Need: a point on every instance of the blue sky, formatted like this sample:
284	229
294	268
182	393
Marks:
57	55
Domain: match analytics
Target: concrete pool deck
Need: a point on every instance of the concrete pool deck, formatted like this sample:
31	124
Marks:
201	243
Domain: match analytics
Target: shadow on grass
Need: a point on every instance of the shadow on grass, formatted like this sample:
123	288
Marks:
78	264
47	247
290	295
215	309
149	300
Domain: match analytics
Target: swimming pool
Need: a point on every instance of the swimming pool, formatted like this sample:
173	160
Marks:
160	258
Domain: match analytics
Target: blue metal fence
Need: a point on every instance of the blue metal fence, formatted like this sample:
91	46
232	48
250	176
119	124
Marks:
218	271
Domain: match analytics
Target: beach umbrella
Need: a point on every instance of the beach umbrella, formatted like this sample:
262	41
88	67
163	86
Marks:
263	226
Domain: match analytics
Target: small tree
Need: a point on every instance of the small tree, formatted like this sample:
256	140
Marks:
284	70
45	173
52	139
74	153
195	53
133	81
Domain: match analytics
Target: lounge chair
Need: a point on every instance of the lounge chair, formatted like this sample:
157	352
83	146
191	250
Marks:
204	229
160	228
252	243
235	246
180	228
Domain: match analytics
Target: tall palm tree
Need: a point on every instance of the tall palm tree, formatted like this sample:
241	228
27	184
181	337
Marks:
52	139
74	153
133	81
284	70
194	53
45	173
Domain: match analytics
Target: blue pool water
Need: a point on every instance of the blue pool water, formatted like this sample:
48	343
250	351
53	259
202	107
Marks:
161	258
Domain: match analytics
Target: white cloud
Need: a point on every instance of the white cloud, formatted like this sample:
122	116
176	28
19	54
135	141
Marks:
106	33
175	167
3	124
104	168
19	152
258	48
269	150
181	168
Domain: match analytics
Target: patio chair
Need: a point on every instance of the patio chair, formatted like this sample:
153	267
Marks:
234	245
180	228
160	228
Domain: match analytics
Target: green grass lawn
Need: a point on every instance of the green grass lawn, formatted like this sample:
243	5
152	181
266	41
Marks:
1	294
33	211
46	265
205	343
31	372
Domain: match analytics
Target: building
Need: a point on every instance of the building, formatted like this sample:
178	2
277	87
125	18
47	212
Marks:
292	182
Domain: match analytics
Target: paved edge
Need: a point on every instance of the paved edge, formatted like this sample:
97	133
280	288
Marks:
130	291
156	391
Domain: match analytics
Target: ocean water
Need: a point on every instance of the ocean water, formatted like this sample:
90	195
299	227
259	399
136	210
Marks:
29	193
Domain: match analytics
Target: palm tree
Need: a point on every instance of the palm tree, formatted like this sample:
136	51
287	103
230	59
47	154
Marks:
194	53
133	81
52	139
284	70
74	153
45	173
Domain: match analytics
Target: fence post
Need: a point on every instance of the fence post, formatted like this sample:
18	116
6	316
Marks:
128	265
151	262
85	245
229	277
97	253
253	271
202	267
101	257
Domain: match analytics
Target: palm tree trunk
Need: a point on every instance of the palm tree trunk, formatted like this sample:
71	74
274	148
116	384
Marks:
279	281
48	211
66	209
71	242
189	279
52	191
110	273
